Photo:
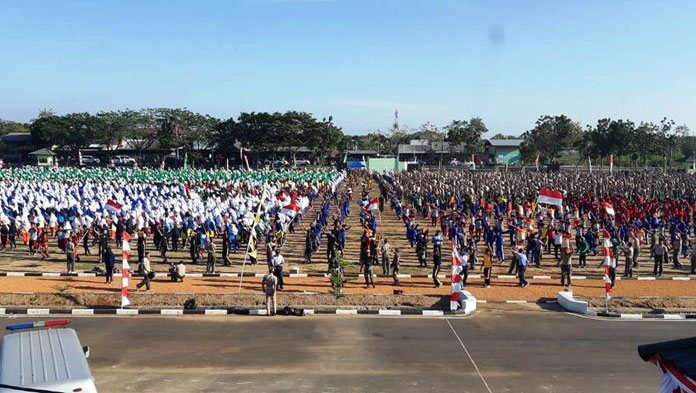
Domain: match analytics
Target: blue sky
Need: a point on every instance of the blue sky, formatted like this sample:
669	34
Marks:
434	60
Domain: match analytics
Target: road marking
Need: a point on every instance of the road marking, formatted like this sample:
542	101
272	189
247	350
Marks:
346	312
469	355
298	275
673	316
82	311
195	274
646	278
579	277
541	277
433	312
506	276
2	311
229	275
515	301
86	274
389	312
681	278
50	274
172	312
15	274
258	311
126	311
38	311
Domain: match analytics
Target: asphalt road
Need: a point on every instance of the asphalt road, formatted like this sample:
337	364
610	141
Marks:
530	351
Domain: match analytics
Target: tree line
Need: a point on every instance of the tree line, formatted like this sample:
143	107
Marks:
553	139
558	138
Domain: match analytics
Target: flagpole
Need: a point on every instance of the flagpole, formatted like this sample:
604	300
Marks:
251	236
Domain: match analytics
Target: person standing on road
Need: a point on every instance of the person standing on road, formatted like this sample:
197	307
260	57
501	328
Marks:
368	272
659	251
487	267
146	273
437	264
635	242
278	262
627	250
521	266
386	250
210	262
70	255
676	248
269	284
109	263
566	267
395	267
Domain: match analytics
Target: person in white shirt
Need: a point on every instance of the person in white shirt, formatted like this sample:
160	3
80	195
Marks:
278	262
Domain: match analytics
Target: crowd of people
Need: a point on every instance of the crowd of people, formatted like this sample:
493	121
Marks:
499	213
489	217
89	210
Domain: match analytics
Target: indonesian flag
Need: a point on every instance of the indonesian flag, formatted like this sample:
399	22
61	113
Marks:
456	294
611	163
125	252
609	208
373	204
607	255
290	210
607	282
550	197
112	206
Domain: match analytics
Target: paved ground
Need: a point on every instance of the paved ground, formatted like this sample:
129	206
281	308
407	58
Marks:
530	351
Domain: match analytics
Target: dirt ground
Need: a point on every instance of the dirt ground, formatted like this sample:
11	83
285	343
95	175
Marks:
506	289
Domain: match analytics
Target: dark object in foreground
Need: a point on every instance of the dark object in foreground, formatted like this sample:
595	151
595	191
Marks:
677	360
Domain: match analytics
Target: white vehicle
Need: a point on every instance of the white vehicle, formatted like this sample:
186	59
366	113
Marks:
280	162
455	162
470	165
48	360
302	162
124	160
89	160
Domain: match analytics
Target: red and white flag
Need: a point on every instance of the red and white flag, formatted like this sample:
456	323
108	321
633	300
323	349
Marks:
113	206
607	255
609	208
550	197
125	269
291	209
373	204
611	163
456	294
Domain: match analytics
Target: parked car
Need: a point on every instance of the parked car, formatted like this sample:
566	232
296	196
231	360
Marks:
280	162
124	161
90	160
302	162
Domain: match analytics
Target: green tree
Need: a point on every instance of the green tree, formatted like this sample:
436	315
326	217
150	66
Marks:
467	132
550	136
9	126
